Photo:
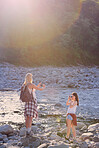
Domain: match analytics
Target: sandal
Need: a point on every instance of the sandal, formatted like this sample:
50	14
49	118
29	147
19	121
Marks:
66	138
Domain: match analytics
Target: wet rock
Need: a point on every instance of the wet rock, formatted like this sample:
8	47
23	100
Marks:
80	125
33	141
44	145
6	129
85	136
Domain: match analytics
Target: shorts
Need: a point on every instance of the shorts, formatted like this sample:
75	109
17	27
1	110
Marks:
69	117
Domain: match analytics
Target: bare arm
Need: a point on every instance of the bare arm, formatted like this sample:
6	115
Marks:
68	101
32	86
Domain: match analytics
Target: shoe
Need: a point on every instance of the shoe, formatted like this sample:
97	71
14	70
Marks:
66	138
29	134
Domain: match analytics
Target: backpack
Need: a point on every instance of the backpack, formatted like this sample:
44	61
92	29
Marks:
25	95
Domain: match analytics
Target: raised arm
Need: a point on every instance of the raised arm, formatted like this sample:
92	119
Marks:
32	86
68	101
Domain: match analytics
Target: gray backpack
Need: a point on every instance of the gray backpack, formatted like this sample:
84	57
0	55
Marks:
25	95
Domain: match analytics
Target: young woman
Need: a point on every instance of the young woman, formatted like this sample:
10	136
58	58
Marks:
71	121
31	106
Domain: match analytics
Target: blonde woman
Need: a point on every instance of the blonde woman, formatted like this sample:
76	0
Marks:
31	106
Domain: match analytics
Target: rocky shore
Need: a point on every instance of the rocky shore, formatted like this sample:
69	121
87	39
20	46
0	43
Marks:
52	137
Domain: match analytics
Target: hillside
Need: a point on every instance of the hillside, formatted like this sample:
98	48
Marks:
68	35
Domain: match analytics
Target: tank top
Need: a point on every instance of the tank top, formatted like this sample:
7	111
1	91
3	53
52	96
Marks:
72	110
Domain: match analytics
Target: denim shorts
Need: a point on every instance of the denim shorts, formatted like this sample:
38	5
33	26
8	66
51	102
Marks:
69	117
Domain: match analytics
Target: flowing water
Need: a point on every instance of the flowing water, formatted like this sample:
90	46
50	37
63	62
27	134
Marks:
60	83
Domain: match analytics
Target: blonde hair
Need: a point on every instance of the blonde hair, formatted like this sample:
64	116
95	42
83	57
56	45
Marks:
28	78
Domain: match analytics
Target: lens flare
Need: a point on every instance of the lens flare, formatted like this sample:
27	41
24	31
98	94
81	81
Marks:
29	23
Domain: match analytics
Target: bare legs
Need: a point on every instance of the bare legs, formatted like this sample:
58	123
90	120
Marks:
69	126
68	121
73	131
28	121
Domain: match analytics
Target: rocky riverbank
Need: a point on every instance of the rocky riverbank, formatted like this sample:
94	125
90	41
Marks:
52	137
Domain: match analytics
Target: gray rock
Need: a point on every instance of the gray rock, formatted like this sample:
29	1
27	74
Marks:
85	136
12	142
95	139
11	146
6	129
13	137
96	145
19	144
84	128
1	137
44	145
62	145
5	140
80	125
34	129
4	136
22	131
58	105
2	146
26	141
84	145
93	127
36	143
54	136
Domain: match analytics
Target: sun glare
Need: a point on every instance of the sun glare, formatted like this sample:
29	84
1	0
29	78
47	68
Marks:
33	22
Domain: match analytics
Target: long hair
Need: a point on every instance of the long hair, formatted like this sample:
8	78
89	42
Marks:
28	78
76	97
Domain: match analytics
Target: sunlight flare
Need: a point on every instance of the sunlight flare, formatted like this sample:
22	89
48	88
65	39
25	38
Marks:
27	23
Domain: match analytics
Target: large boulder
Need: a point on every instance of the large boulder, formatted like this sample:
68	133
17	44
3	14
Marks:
93	127
44	145
6	129
85	136
84	145
62	145
80	125
31	141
